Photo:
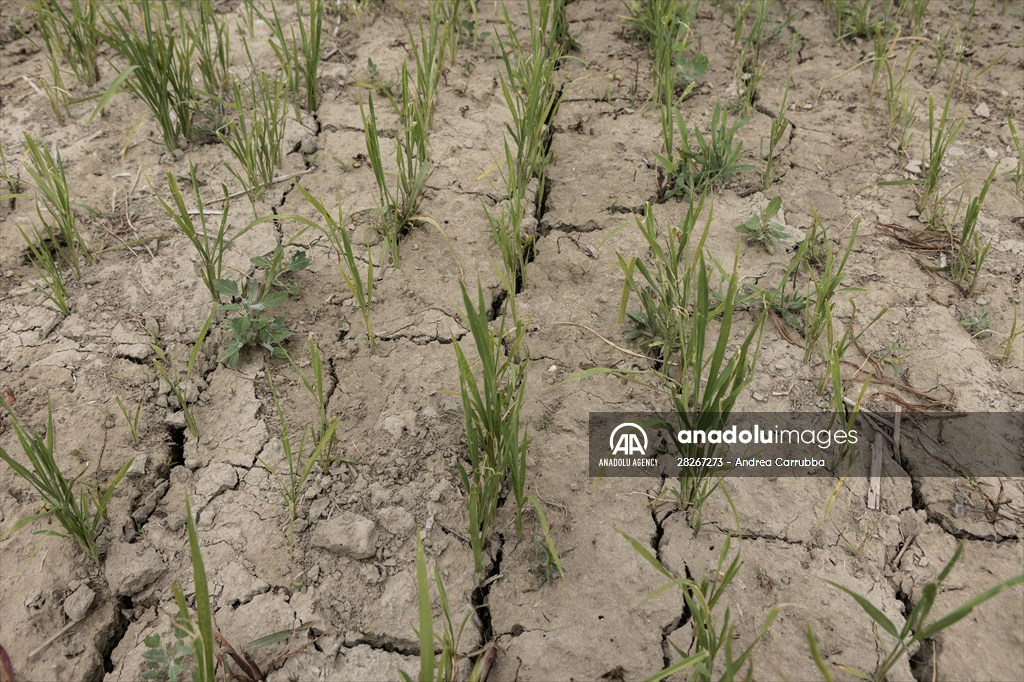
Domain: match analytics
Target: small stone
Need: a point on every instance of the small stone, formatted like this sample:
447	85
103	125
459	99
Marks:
318	507
348	534
914	166
130	568
982	110
397	521
77	605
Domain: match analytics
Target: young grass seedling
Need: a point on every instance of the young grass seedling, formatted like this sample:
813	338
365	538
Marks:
761	229
941	134
78	507
250	325
428	53
693	367
160	63
507	228
1018	171
530	95
210	247
314	385
299	55
551	565
825	286
1016	332
399	207
255	132
198	631
335	231
72	35
442	666
48	268
491	407
53	204
177	383
703	162
300	463
779	126
131	419
900	107
918	627
710	656
212	43
969	255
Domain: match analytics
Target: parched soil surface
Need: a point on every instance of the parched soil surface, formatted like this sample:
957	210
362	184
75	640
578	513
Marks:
351	569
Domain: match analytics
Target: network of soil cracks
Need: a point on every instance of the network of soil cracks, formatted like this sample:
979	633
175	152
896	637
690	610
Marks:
351	570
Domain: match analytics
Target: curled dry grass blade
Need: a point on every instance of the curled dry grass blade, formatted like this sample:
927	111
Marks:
491	408
78	507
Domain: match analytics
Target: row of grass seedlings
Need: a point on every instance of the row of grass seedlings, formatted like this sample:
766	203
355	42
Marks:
528	87
491	405
664	25
78	507
297	53
159	70
415	103
255	132
748	39
686	326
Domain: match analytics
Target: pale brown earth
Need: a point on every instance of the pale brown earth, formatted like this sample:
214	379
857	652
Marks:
351	570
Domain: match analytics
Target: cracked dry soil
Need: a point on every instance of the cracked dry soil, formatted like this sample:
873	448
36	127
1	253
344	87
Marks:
351	571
